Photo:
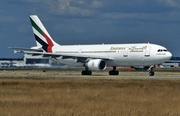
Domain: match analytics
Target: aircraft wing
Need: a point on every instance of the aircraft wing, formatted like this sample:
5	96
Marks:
65	56
36	52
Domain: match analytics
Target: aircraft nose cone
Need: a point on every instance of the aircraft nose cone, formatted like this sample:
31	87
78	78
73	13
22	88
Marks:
169	55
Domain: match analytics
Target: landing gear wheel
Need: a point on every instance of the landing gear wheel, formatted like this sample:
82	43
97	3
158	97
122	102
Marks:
113	72
151	73
86	72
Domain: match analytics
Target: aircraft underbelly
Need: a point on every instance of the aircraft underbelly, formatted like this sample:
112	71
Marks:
69	61
73	62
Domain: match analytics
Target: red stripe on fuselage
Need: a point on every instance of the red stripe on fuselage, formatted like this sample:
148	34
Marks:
50	43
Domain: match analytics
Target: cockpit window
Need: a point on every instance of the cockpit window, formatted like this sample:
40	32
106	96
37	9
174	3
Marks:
162	50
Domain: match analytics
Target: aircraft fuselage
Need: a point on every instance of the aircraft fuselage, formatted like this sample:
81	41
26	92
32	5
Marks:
119	54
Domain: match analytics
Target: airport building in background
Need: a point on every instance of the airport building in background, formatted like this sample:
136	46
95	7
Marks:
30	62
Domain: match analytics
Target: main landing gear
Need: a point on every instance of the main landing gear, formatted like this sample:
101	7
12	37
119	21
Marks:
86	72
113	72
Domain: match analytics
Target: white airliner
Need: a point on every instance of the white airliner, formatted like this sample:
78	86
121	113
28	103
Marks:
95	57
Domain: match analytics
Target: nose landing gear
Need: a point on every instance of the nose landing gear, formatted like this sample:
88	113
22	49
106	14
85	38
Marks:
151	71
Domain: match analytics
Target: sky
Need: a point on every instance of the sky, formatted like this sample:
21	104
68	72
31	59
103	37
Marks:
91	22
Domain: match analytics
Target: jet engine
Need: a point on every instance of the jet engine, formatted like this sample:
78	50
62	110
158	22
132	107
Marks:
96	64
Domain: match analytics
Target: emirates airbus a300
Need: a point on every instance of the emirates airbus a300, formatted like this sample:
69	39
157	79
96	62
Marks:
95	57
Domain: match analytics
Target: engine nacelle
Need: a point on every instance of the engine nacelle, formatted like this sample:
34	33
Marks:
96	64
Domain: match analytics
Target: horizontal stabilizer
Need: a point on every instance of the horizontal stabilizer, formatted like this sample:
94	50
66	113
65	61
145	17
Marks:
19	49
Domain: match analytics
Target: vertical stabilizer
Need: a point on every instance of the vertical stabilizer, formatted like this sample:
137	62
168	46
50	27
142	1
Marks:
41	35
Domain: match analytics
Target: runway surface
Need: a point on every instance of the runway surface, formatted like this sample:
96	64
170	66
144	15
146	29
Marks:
54	73
82	76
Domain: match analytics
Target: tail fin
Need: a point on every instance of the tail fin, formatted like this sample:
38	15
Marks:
41	35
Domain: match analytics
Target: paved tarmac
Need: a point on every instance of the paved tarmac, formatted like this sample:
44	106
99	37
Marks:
82	76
